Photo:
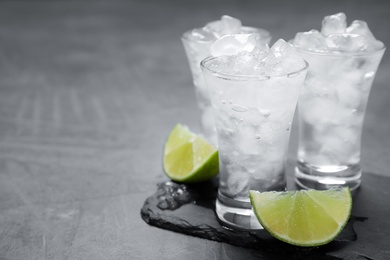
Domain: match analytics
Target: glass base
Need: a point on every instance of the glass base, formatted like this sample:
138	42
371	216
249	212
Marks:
235	214
322	178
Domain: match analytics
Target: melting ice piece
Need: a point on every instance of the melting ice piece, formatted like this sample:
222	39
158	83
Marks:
311	40
333	24
361	28
233	44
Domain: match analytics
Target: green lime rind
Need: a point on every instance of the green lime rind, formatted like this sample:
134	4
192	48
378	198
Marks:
189	158
304	218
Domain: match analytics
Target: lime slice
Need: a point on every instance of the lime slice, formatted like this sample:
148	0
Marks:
189	158
303	218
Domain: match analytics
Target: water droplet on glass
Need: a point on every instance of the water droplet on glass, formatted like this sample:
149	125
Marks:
223	101
239	108
236	122
265	112
257	136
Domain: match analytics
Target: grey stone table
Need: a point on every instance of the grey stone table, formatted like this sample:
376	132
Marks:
89	91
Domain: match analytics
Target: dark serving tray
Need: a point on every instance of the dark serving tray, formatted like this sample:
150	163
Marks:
189	209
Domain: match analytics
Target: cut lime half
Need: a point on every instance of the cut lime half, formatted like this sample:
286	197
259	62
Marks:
189	158
303	218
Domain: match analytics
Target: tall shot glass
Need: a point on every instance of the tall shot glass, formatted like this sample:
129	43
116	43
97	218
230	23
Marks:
197	50
331	113
253	116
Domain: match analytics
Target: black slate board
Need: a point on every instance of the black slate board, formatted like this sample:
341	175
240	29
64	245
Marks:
189	209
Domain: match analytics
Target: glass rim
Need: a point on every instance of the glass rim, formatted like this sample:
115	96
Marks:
341	53
244	77
267	34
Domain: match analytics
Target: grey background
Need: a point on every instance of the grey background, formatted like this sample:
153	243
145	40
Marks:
89	91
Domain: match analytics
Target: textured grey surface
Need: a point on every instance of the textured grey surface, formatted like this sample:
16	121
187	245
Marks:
89	91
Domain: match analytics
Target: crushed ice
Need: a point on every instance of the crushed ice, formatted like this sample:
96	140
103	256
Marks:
335	36
238	55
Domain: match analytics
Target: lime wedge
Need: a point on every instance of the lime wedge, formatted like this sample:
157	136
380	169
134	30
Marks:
303	218
189	158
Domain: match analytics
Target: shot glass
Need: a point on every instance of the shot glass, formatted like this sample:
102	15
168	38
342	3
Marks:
253	116
198	49
331	113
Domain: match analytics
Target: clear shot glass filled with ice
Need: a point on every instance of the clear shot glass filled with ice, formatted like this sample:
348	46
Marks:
197	44
253	95
343	62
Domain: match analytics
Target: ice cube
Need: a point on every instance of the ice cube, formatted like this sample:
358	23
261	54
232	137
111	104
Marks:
223	65
349	95
230	25
263	173
246	140
348	88
317	87
347	134
227	25
237	179
318	110
268	176
275	154
252	163
261	52
283	59
233	44
245	63
346	42
269	132
361	28
334	24
338	149
311	40
281	48
201	35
